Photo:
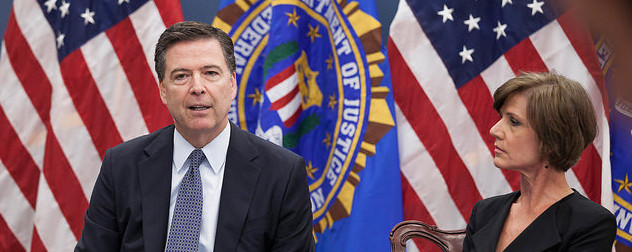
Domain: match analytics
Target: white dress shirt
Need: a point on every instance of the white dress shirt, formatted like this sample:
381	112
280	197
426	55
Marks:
211	173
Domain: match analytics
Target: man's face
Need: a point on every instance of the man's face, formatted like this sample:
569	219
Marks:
197	88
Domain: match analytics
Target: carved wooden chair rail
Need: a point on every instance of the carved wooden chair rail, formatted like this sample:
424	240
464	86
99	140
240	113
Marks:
447	240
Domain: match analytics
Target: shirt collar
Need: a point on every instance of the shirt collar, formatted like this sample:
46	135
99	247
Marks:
215	151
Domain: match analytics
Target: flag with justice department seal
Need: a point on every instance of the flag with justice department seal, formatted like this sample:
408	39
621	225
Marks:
620	124
312	77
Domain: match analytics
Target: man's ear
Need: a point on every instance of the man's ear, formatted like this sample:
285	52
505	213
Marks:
233	85
163	92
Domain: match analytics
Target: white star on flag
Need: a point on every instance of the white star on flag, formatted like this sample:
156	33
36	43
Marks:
505	2
50	5
64	8
88	16
536	7
60	40
122	1
472	23
500	30
466	54
446	13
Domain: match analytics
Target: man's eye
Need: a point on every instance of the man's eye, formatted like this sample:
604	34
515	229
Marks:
212	73
180	76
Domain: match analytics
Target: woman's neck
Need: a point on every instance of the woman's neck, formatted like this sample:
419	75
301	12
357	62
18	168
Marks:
542	188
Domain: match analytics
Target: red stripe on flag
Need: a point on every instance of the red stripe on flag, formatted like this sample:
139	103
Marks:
524	57
36	243
170	11
57	171
581	40
588	172
64	185
290	121
432	133
414	209
18	161
478	101
129	51
8	241
89	103
25	66
280	77
284	100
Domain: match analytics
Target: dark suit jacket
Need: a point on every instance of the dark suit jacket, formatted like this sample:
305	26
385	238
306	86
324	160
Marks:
264	203
572	224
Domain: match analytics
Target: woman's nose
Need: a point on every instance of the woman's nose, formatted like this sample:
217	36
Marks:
494	131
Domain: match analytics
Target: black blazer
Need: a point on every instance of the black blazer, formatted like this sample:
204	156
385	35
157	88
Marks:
574	223
264	203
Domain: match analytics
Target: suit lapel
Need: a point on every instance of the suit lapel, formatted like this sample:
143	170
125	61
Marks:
240	179
155	186
486	238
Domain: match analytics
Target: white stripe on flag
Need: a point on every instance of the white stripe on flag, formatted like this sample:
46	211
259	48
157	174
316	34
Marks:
290	109
148	26
50	222
15	209
497	74
283	88
411	246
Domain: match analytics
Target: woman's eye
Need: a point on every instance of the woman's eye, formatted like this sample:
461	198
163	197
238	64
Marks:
514	122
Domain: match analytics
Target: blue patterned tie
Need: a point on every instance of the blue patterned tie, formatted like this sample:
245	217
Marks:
187	215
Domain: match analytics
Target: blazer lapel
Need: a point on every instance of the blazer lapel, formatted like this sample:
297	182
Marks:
240	179
540	235
155	187
486	238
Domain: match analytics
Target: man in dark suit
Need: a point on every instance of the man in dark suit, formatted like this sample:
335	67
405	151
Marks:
201	184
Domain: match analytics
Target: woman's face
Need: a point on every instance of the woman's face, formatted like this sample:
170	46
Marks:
517	144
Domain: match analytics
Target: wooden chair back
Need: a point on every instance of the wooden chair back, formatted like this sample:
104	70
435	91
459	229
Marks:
447	240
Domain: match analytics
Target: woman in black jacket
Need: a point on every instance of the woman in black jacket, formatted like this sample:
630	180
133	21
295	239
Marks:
546	122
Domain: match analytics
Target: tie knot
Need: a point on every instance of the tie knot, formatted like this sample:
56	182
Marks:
196	157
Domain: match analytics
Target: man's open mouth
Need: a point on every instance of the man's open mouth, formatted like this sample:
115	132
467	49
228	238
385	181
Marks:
199	107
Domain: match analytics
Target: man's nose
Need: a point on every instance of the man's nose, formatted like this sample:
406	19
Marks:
197	84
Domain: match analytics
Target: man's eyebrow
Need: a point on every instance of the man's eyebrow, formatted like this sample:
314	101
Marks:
211	66
178	70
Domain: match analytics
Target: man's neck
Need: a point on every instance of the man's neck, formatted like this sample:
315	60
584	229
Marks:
201	139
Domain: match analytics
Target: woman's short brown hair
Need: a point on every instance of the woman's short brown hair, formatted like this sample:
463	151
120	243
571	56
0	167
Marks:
560	112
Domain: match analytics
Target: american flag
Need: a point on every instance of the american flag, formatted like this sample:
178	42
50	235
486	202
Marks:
447	58
77	79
